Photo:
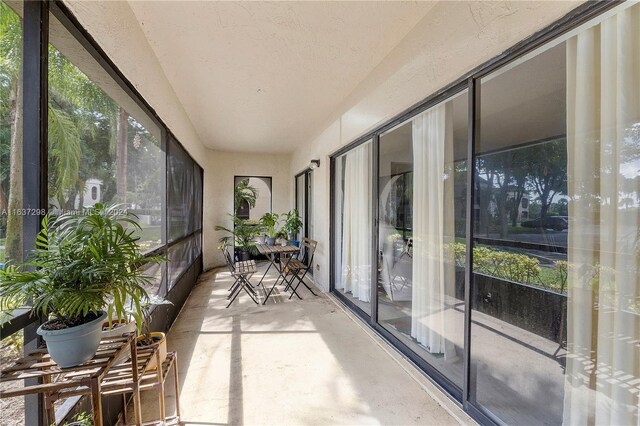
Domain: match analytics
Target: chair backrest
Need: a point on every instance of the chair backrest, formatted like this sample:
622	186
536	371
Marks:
309	247
227	257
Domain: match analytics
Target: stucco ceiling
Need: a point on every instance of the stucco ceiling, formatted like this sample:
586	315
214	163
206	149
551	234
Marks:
265	76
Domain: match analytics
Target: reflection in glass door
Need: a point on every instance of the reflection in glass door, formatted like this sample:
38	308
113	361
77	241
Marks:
555	291
422	198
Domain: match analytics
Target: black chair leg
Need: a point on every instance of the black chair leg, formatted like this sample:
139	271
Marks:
243	286
233	285
300	281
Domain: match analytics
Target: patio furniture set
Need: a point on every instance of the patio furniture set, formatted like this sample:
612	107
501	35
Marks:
292	263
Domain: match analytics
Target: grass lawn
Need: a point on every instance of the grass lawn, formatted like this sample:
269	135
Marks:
549	279
150	236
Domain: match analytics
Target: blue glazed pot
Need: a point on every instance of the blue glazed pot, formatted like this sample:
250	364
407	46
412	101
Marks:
295	243
270	241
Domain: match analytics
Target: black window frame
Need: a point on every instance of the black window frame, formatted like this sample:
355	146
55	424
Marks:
35	159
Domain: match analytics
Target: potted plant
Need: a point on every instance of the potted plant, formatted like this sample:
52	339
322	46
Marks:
258	231
244	194
241	235
269	222
293	224
149	337
85	268
281	237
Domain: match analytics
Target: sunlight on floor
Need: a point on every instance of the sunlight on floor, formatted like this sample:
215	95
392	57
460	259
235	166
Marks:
287	362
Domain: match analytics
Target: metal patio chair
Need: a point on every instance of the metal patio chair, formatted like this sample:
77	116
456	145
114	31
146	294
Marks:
298	269
241	272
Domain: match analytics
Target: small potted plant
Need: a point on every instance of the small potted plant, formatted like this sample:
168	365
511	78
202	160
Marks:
85	268
269	221
149	337
292	225
281	237
242	236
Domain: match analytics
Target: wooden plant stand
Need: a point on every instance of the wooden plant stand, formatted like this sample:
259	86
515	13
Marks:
85	379
119	381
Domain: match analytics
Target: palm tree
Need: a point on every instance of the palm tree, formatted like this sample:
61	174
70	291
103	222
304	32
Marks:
72	95
244	193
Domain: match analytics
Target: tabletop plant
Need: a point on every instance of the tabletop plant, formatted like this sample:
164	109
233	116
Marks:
270	221
292	224
85	267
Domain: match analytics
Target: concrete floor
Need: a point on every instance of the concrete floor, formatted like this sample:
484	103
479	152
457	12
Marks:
291	362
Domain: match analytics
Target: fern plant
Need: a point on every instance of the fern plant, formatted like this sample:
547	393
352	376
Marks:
82	264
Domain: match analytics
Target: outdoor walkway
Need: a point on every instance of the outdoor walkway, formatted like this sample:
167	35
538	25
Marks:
289	362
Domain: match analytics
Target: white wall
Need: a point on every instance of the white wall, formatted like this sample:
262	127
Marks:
218	191
451	40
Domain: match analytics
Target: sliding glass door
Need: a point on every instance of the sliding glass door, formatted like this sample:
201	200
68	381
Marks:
515	283
304	206
422	196
353	266
556	278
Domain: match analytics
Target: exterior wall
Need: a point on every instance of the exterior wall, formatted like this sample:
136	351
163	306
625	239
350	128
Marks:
451	40
218	191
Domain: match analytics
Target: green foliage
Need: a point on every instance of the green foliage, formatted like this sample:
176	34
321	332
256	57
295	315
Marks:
501	264
82	264
512	266
293	224
241	235
269	221
244	192
83	419
64	149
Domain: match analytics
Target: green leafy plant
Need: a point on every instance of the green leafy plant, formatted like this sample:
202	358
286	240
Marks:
269	221
514	267
243	192
83	418
292	224
241	235
82	264
281	234
147	309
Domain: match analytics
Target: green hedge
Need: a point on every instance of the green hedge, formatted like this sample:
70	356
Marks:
514	267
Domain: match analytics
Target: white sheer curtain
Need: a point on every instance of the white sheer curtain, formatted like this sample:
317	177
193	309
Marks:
432	133
603	139
356	224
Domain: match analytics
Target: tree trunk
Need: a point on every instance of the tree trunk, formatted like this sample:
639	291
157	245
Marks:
3	198
82	186
121	156
502	212
516	207
13	242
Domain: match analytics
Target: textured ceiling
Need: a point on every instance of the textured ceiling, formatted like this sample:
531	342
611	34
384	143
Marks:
265	76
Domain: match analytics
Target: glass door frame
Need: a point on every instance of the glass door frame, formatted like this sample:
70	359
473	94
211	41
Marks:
306	174
471	82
